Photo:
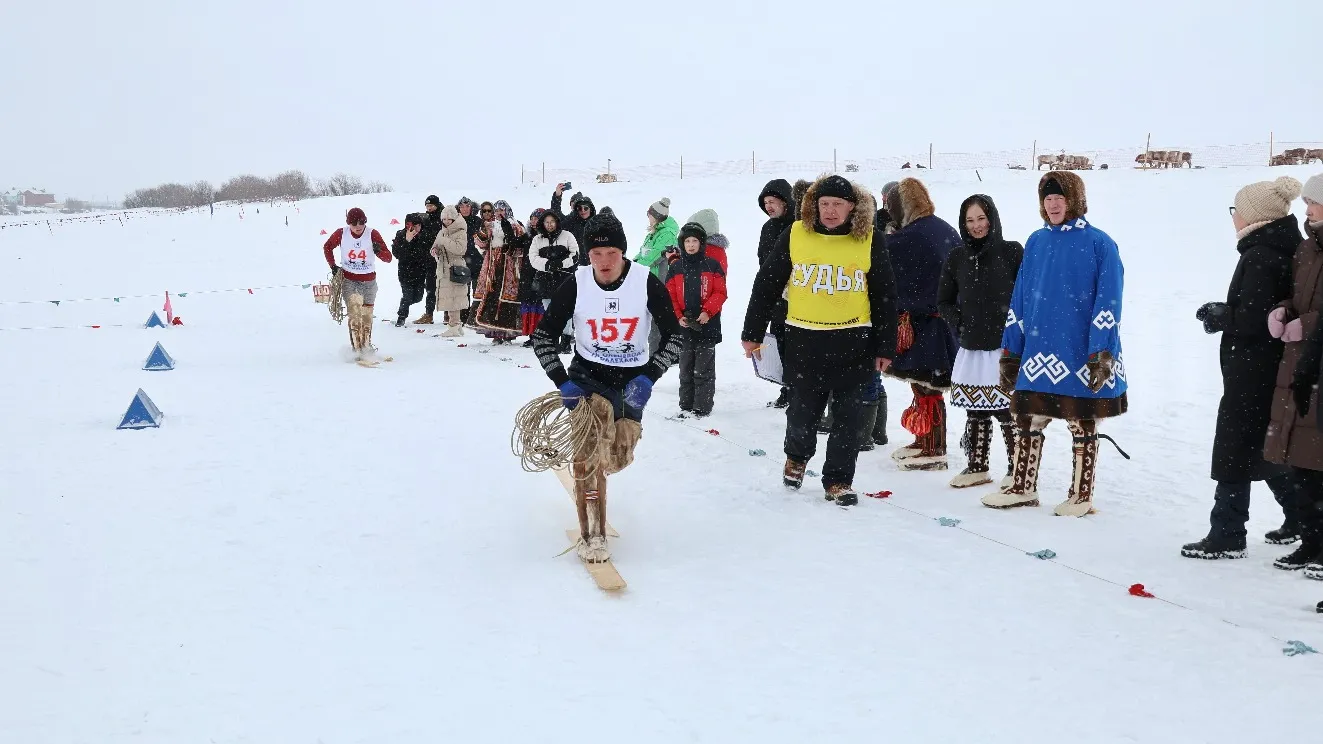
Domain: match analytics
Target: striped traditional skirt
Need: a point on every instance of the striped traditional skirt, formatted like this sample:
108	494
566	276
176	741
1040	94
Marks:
974	381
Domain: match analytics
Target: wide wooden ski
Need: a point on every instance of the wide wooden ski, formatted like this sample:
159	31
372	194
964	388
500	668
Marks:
605	574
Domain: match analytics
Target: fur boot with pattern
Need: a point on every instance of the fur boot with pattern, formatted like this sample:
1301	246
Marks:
1079	501
927	419
1023	490
1008	436
977	444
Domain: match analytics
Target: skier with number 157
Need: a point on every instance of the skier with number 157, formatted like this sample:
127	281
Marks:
614	304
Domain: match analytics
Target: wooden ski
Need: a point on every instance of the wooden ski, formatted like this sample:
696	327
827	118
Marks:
605	574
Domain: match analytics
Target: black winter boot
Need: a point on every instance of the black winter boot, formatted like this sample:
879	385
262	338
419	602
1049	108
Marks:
1307	553
1287	534
1214	548
880	426
866	443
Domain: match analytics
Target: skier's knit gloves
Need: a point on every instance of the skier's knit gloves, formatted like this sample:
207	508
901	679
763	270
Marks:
638	391
570	394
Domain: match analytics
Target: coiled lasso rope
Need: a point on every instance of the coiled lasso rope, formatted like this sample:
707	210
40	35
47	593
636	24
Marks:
547	435
336	305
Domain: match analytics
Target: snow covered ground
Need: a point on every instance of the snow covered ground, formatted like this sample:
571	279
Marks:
310	551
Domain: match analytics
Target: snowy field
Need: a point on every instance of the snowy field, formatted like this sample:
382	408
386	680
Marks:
308	551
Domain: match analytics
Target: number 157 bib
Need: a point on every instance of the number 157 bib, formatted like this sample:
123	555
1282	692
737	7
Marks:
612	328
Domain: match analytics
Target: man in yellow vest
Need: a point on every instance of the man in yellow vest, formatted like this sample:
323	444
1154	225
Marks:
840	325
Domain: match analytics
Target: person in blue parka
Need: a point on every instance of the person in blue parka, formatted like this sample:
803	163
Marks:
1061	349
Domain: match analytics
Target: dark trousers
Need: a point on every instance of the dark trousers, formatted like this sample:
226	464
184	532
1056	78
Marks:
698	376
807	403
1231	501
416	288
1309	503
778	329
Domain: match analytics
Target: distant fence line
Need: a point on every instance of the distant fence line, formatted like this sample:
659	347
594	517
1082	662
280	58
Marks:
1268	152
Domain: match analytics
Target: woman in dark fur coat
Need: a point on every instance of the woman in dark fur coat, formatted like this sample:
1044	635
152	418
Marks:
926	347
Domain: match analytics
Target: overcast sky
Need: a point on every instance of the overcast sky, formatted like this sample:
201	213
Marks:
101	98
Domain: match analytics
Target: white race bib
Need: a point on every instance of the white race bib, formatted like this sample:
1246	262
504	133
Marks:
357	255
611	328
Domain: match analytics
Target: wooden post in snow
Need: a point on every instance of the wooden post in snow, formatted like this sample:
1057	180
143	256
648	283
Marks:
930	156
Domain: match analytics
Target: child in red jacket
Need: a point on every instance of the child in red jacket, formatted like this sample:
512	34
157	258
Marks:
697	284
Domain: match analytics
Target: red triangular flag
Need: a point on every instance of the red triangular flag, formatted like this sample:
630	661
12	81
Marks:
394	221
323	232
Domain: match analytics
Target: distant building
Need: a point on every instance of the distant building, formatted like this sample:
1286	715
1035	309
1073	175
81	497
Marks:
32	198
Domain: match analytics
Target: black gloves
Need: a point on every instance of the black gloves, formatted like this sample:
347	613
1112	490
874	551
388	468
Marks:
556	253
1214	315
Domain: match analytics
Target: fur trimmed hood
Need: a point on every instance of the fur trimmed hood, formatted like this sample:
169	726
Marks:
909	200
798	191
1076	204
861	219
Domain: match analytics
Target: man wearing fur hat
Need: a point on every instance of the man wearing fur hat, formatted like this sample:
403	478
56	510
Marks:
1061	350
926	345
840	325
613	303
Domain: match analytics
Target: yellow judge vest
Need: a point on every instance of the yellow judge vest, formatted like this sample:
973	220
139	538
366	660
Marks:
828	287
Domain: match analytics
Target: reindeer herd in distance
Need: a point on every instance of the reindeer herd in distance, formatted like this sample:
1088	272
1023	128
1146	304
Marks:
1167	159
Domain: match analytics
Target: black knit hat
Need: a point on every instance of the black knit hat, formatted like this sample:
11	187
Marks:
1050	187
433	199
838	187
604	231
692	230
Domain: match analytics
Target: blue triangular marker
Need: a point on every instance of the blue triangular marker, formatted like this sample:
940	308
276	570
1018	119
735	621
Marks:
159	360
154	321
142	413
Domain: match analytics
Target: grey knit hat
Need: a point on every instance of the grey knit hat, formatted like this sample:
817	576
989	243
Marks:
660	209
1313	189
708	219
1266	201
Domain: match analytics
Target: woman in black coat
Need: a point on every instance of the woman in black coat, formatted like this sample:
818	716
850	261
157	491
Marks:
1249	358
973	296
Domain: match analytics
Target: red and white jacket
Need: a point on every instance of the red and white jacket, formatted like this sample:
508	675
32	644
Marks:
378	247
